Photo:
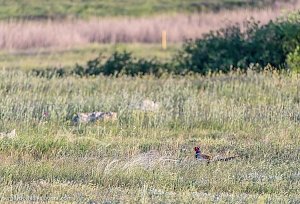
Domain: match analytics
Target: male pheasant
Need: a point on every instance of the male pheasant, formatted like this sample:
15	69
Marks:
201	156
204	157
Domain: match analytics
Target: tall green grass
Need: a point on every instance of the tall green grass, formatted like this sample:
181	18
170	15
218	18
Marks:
148	156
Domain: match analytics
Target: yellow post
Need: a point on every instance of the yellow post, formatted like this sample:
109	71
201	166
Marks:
164	39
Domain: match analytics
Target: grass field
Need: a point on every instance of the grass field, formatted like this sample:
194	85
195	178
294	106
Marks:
143	156
67	58
147	157
37	9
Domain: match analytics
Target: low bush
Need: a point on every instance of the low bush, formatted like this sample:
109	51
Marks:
237	47
293	60
120	63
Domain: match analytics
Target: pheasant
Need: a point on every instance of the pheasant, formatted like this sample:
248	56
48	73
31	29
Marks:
208	158
201	156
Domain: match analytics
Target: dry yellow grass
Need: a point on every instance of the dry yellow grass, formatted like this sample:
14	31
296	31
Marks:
67	33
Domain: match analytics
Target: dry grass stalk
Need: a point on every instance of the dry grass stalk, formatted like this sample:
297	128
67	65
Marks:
67	33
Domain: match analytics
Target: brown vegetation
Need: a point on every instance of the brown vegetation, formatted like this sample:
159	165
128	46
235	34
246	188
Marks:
67	33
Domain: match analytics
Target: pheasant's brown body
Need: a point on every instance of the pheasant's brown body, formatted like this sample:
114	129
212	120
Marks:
209	158
205	156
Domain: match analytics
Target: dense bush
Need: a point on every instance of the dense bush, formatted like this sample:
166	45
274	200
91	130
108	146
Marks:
233	47
120	63
293	60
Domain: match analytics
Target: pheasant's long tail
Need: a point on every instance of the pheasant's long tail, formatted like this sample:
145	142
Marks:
225	158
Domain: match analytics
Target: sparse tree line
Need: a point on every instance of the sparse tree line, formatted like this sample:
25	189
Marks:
275	44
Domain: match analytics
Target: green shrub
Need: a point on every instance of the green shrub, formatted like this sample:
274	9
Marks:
216	51
293	60
120	63
233	47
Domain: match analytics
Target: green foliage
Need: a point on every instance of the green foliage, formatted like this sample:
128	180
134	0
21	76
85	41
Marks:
231	47
120	63
293	60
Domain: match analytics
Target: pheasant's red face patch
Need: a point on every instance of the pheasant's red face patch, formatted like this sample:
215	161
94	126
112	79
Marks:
196	149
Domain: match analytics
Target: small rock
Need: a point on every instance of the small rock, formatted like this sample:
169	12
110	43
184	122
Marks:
10	135
94	116
147	105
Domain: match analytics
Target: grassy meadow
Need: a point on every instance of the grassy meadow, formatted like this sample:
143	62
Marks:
41	9
67	57
147	157
143	156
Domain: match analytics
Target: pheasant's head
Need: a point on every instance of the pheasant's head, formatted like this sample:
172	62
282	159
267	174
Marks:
197	149
198	152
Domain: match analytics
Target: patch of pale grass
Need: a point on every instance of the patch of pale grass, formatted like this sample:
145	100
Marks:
179	27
